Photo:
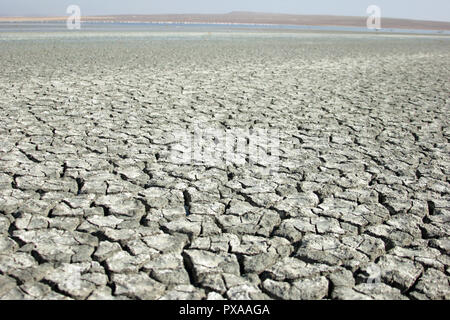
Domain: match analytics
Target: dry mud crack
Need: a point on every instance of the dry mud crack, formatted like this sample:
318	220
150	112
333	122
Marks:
92	206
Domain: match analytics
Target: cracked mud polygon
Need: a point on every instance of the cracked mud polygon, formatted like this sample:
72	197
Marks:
94	206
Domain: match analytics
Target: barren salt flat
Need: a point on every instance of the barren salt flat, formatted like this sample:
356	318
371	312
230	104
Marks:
99	201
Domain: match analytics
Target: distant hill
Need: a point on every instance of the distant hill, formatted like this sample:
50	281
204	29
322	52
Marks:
254	18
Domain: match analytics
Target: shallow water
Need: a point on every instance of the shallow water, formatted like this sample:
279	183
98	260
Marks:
194	27
174	32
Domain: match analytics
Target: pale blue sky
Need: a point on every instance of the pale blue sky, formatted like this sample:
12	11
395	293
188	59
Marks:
413	9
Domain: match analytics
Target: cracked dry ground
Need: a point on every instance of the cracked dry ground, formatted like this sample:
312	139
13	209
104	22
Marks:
87	187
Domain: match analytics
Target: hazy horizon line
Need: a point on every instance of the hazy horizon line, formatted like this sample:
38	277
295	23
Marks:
206	14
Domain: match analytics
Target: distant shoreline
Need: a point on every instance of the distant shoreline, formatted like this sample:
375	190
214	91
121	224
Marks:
250	19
